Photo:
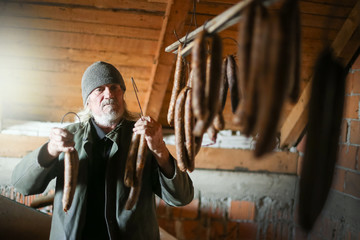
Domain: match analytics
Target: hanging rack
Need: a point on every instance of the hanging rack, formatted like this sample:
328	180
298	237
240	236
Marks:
219	23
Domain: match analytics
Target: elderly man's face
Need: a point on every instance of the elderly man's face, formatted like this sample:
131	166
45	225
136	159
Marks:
106	104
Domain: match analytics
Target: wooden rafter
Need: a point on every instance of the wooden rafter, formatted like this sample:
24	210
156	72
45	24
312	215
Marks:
297	119
174	19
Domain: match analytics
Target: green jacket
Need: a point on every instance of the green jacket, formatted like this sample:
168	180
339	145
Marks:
29	177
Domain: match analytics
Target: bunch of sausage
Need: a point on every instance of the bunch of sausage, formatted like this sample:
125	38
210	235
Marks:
267	72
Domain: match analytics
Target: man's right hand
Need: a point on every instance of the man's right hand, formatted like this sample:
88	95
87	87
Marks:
61	140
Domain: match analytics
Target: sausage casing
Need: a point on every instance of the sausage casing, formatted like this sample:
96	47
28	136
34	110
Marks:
71	169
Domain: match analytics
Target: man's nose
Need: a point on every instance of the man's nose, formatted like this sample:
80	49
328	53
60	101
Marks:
108	93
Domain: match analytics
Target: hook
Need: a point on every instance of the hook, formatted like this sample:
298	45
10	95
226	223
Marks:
177	37
62	120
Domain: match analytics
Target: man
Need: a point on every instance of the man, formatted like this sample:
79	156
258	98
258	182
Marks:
102	141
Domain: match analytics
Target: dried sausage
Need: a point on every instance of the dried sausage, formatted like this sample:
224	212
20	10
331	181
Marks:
71	168
179	82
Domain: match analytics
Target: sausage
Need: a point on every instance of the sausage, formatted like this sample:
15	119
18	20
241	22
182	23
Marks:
133	197
246	47
245	40
190	79
212	86
323	131
212	133
189	121
140	164
179	83
131	160
274	86
219	122
198	65
257	69
291	14
181	154
71	169
231	71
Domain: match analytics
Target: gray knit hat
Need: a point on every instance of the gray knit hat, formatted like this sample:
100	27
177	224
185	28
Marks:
98	74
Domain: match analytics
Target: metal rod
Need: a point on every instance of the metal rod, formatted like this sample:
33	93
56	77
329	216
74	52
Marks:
136	90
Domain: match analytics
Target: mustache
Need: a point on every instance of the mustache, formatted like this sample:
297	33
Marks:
108	101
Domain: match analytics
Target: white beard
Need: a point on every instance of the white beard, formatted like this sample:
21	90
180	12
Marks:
109	118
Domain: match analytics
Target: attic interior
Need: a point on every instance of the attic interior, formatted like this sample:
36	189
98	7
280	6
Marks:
46	45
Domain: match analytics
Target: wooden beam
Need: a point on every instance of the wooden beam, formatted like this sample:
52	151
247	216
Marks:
241	159
174	19
297	118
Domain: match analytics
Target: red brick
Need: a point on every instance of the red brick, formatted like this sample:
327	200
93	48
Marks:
189	211
242	210
217	229
248	231
351	107
232	231
352	185
356	64
347	156
338	179
168	225
355	132
162	209
353	83
299	165
214	211
191	230
344	131
301	146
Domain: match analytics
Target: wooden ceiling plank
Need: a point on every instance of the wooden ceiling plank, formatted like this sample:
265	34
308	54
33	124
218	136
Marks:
297	119
78	27
109	4
86	15
73	54
175	16
13	63
76	40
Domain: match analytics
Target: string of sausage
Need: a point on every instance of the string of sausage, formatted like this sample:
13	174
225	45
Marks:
219	122
140	164
131	160
181	152
207	75
71	169
291	17
274	85
245	41
323	131
257	68
179	83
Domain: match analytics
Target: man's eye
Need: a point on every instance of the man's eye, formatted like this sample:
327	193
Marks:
114	87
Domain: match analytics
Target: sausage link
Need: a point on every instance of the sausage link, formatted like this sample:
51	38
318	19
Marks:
231	71
189	127
179	83
131	160
181	154
198	65
71	169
